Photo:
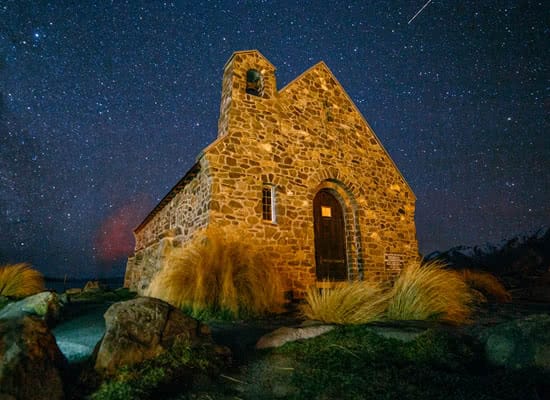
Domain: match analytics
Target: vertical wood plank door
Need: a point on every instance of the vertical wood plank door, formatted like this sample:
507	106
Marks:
330	239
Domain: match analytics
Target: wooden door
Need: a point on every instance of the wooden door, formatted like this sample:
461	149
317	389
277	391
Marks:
330	238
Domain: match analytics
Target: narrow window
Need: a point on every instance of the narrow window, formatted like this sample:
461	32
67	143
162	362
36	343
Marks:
268	204
254	82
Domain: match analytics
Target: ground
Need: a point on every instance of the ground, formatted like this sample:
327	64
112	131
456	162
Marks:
286	373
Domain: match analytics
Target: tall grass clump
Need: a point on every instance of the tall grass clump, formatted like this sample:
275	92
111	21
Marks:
220	272
429	291
355	302
20	280
486	283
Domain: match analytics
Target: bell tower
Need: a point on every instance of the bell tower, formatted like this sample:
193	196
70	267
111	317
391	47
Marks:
248	80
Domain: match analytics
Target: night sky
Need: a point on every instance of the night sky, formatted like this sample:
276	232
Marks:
105	105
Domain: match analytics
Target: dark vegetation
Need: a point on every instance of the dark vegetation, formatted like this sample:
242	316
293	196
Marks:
354	363
522	262
168	374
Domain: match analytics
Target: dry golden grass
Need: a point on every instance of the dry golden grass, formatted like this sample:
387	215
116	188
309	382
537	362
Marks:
20	280
355	302
220	270
429	291
486	283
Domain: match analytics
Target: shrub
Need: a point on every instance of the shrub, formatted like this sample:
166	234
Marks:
356	302
429	291
487	284
20	280
219	271
163	376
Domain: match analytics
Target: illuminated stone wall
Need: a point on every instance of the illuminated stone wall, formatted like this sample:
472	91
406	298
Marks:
173	224
306	137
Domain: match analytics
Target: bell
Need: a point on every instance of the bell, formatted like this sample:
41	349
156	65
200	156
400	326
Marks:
253	76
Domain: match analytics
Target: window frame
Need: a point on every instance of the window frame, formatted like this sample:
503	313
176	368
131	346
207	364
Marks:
269	203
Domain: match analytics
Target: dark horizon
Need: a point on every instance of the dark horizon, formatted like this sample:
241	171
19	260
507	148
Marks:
104	107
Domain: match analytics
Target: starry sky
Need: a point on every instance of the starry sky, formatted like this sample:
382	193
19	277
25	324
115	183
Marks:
104	105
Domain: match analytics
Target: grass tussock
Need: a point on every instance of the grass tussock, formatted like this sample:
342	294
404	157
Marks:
20	280
429	291
356	302
220	272
423	291
487	284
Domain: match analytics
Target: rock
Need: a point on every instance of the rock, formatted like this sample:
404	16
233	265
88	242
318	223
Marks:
521	343
93	286
141	329
63	298
401	334
30	361
46	305
284	335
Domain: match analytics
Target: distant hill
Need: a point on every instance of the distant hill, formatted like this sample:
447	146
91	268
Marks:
521	262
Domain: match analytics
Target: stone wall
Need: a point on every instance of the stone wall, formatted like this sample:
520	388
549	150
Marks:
307	137
175	221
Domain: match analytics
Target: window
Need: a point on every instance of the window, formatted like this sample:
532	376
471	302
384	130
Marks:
326	211
254	82
268	204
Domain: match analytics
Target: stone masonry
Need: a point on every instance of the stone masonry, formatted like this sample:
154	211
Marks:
301	139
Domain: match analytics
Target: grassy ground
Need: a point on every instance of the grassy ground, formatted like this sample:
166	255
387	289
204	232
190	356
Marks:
350	362
356	363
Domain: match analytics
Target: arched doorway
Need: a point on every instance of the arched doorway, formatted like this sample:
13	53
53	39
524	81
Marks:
330	237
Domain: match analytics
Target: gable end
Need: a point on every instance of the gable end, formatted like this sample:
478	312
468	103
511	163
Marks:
322	66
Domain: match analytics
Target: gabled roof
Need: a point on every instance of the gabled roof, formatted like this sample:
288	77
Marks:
322	65
249	52
193	171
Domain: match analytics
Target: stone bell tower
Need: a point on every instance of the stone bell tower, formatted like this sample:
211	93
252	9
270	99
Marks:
248	86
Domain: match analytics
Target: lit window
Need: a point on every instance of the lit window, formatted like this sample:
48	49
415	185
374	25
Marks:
254	82
326	211
268	203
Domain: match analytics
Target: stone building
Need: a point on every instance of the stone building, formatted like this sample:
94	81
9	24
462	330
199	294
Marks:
298	168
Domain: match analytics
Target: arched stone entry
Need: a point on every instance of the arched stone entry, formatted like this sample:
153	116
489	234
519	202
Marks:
330	237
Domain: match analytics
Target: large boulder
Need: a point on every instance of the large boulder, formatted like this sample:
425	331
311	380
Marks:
141	329
30	361
46	305
521	343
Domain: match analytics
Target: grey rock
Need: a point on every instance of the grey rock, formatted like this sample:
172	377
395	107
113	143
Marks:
284	335
46	305
401	334
521	343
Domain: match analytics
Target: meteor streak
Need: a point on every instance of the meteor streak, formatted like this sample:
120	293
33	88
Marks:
419	11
